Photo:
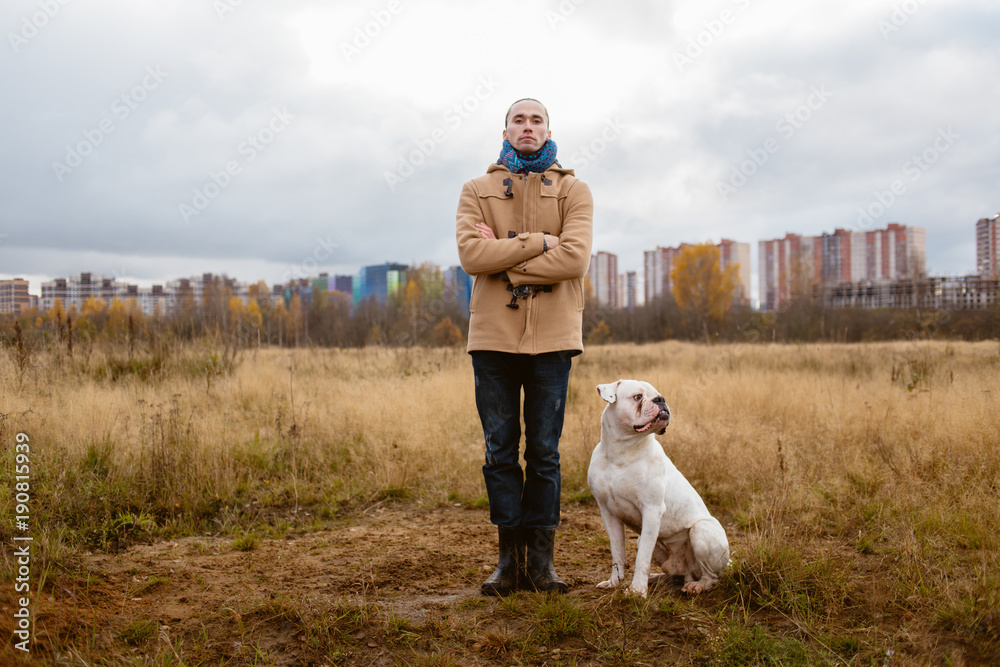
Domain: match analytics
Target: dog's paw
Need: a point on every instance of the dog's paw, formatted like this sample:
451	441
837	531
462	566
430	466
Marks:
607	584
641	592
693	588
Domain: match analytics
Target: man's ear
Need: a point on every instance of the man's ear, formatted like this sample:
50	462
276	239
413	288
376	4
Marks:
609	392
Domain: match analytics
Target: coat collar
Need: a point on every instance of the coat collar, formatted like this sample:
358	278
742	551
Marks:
559	170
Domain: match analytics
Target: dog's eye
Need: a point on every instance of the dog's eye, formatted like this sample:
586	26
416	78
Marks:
637	397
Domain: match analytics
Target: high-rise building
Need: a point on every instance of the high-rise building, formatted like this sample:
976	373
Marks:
206	290
792	266
656	271
658	264
14	297
604	279
841	256
730	253
78	289
897	252
987	242
458	286
786	269
627	290
380	281
344	284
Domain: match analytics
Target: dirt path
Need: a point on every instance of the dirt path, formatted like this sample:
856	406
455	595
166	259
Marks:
216	602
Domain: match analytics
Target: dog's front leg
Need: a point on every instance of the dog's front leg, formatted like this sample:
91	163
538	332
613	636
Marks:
644	553
616	536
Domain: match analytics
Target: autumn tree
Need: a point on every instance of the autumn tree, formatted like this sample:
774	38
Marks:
255	319
702	288
237	313
412	307
600	334
259	296
57	313
422	301
280	318
295	320
447	333
116	322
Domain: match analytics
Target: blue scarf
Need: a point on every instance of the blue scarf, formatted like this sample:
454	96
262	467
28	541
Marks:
518	163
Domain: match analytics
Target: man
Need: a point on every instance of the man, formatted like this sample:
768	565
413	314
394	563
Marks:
524	230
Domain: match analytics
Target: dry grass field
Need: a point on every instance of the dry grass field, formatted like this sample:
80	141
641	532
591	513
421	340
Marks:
326	506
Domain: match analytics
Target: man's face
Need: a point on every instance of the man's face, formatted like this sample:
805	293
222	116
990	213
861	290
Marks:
527	127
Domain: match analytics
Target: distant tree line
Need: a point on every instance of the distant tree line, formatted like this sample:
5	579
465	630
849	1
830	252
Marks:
425	313
803	321
700	307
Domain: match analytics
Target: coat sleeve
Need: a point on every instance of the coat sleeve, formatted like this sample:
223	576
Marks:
570	260
480	256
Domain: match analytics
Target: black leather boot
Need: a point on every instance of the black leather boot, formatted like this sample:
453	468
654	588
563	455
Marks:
538	560
505	579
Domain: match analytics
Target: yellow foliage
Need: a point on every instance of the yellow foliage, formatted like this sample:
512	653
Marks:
253	312
702	288
447	333
600	335
93	308
56	312
236	309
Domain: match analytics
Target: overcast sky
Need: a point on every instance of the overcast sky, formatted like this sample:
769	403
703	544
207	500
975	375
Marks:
151	140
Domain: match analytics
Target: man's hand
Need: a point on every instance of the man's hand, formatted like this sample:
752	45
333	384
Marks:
485	232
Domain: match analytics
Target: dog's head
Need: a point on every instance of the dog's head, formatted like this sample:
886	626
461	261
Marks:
634	407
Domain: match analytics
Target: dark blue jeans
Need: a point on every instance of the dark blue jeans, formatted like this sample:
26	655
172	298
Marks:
529	498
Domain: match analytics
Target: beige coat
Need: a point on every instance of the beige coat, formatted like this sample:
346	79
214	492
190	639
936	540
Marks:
555	202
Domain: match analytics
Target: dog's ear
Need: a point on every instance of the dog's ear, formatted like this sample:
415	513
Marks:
609	392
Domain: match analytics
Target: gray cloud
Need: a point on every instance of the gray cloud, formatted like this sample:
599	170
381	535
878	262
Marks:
174	102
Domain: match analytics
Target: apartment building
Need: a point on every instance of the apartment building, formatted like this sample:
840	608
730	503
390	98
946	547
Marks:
628	290
14	297
77	290
786	268
604	279
793	265
458	287
656	267
658	264
987	241
730	253
379	281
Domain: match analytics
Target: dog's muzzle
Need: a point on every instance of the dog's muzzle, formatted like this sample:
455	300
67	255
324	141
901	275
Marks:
662	417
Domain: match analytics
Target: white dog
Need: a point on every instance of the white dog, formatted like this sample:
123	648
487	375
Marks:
636	485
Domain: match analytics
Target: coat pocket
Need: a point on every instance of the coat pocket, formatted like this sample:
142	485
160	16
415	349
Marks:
577	287
548	217
477	290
